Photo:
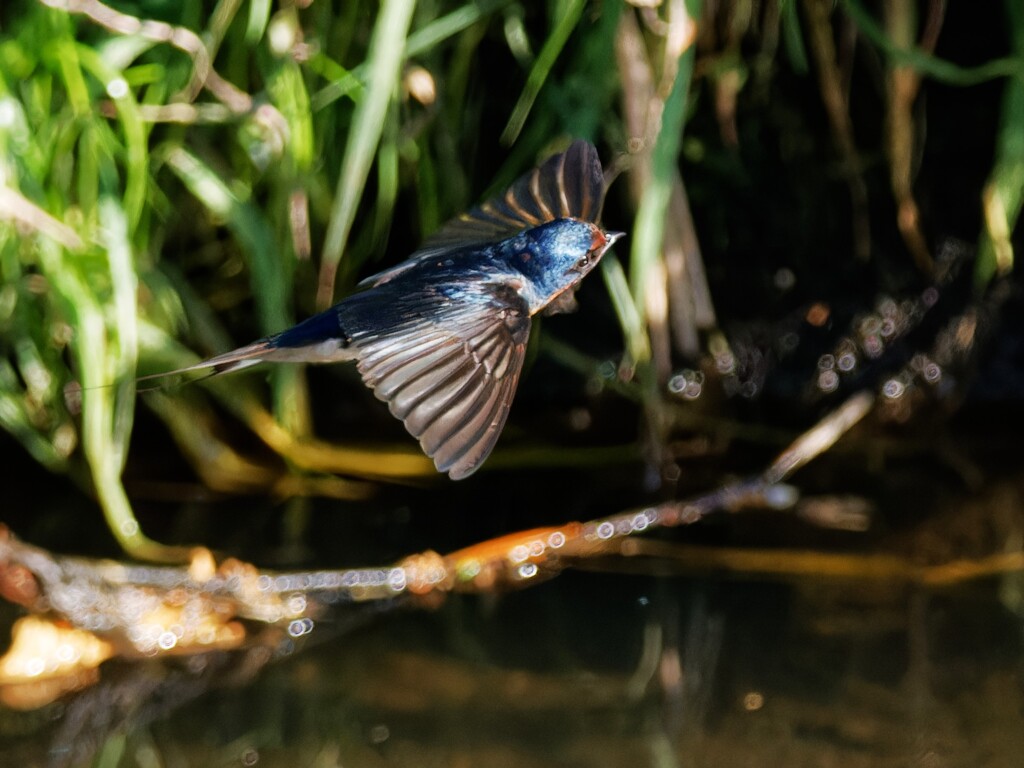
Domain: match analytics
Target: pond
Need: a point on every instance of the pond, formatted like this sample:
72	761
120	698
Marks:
749	638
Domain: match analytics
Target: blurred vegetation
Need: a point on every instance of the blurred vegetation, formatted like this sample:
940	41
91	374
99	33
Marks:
177	178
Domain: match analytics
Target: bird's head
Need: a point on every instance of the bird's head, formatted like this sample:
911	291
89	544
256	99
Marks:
561	253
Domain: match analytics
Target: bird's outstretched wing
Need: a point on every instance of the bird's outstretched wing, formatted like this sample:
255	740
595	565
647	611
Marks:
566	185
447	368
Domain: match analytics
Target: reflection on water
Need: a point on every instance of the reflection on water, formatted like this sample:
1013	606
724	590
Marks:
593	669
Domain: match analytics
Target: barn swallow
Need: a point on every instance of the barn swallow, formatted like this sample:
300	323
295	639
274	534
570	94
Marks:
441	337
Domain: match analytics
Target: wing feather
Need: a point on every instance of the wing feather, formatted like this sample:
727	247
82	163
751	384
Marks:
436	421
473	442
445	423
447	366
421	397
407	366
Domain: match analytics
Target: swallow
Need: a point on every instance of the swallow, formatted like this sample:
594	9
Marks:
441	337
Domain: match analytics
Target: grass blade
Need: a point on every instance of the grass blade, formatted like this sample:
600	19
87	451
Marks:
385	58
541	68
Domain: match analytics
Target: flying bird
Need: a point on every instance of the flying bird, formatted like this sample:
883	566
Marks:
441	336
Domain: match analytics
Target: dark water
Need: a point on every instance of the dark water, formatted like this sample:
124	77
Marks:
671	660
603	670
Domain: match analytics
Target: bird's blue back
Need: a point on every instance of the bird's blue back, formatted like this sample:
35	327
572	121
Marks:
535	264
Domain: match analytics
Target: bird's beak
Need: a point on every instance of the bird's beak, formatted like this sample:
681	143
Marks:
611	238
602	241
